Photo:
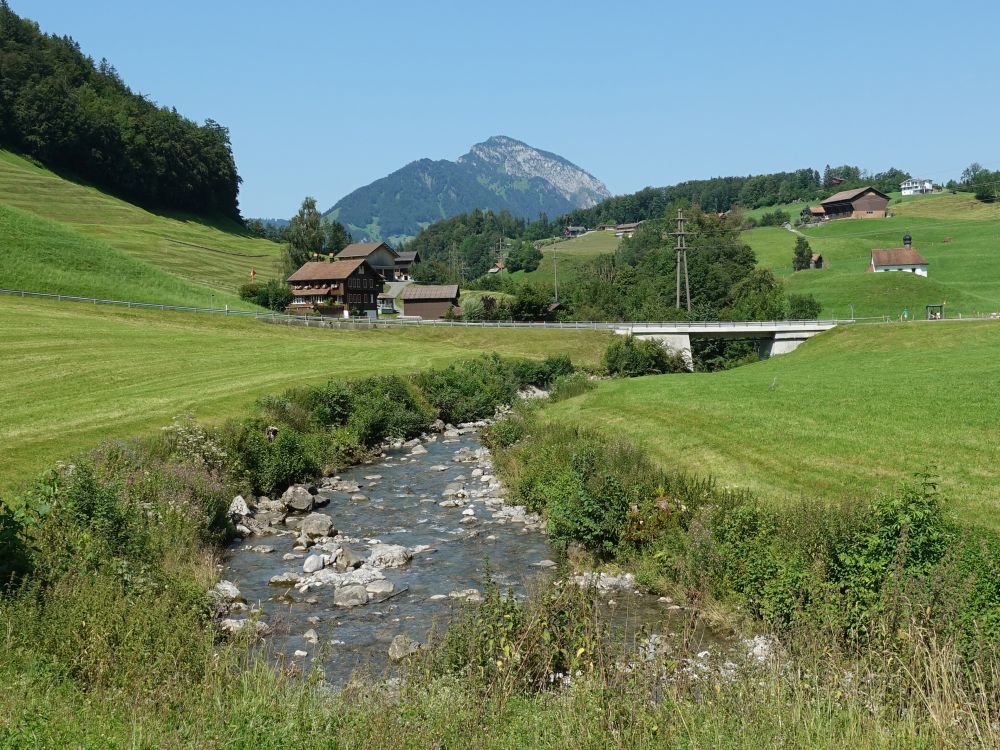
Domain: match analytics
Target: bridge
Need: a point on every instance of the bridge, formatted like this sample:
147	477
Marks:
773	336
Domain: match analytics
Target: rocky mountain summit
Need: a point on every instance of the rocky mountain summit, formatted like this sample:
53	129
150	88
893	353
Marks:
500	173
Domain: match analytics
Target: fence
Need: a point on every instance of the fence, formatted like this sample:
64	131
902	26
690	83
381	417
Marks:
363	323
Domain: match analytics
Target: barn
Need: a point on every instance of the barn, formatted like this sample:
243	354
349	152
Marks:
430	302
859	203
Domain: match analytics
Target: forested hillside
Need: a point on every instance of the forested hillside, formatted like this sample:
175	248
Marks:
75	116
722	193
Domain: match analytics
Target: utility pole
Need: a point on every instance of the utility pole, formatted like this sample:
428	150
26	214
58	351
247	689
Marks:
682	261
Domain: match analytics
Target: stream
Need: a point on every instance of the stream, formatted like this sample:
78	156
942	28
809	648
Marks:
439	500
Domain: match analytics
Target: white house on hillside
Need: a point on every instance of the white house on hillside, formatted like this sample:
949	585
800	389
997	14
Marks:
915	186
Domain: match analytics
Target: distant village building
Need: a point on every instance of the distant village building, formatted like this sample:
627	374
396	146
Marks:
627	230
430	302
497	267
606	227
859	203
404	264
379	255
572	231
915	186
333	287
898	259
387	304
816	261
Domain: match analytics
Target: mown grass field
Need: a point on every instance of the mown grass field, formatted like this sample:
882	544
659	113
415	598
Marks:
218	255
41	255
855	410
959	236
570	255
75	374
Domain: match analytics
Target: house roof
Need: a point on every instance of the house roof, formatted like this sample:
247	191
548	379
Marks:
363	250
631	225
324	271
408	256
416	292
817	210
849	195
387	295
897	256
816	256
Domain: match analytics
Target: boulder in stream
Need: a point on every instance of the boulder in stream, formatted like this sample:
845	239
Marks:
298	498
389	556
316	525
351	595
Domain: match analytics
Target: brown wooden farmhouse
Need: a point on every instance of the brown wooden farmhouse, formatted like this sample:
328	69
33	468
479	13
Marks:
860	203
430	302
329	288
379	255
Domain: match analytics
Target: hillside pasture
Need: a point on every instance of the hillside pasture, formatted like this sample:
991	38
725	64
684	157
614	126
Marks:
856	410
218	255
959	237
570	256
78	374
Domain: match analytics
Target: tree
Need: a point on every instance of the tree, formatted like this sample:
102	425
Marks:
759	296
803	307
337	237
802	255
305	235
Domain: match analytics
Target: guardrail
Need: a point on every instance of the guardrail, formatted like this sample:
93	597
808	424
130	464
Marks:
331	322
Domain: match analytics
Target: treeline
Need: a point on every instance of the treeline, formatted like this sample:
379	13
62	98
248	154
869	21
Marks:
60	108
722	193
468	245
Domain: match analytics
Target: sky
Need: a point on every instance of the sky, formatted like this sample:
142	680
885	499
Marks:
323	97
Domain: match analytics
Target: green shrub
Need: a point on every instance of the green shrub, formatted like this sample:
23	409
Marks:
386	406
469	390
630	357
568	386
803	307
504	432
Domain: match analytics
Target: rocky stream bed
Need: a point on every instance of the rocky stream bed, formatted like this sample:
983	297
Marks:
357	569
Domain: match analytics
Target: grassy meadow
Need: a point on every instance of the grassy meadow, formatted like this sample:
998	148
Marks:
42	255
78	373
570	255
217	255
854	410
958	235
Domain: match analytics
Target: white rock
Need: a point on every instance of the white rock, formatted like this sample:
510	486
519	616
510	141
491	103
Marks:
311	636
238	507
300	654
227	591
380	588
285	579
388	556
468	512
352	595
313	563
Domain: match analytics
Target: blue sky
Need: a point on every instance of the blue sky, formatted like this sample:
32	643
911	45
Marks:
323	97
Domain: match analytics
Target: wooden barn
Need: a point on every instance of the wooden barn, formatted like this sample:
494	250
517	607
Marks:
430	302
859	203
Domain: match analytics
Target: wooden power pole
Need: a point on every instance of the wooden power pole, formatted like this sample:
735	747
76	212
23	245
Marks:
682	261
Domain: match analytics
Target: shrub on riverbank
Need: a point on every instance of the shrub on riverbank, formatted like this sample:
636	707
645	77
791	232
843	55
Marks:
630	357
856	571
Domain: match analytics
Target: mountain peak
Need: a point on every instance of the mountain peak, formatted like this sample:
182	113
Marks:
501	173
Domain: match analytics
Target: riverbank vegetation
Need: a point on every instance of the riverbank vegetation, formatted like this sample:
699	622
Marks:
886	617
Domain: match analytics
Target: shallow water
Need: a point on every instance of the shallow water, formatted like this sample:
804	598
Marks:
403	509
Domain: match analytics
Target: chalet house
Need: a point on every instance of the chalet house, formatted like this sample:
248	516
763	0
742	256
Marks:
898	259
497	267
331	288
626	230
859	203
816	261
431	302
404	263
572	231
606	227
379	256
916	186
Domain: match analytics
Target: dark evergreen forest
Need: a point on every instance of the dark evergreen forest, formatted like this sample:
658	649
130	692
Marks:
78	117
